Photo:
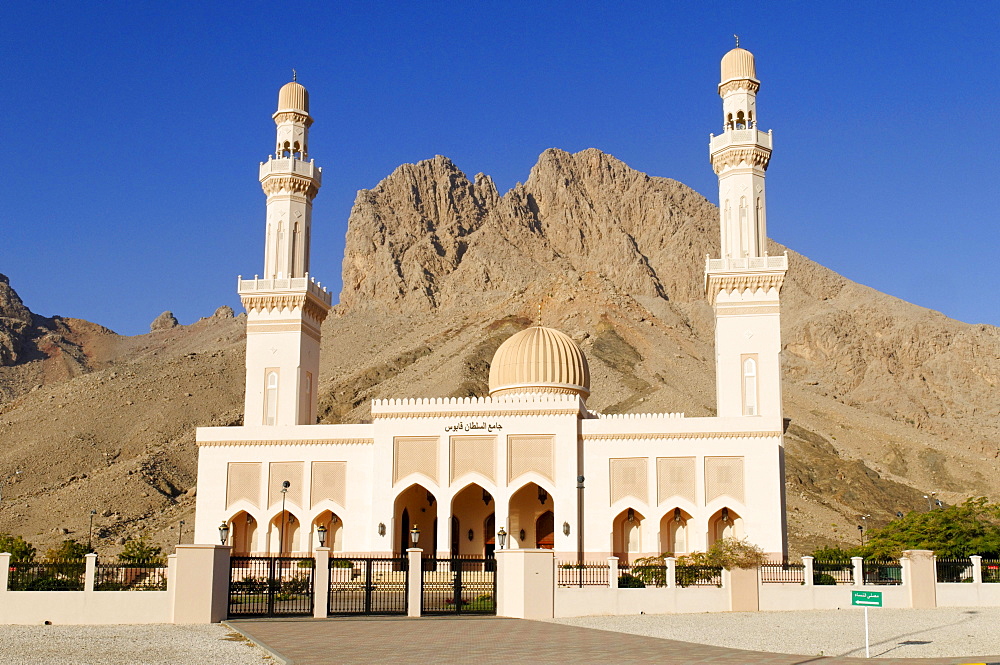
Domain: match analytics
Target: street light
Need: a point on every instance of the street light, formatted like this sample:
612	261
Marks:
321	532
928	502
223	533
502	537
90	538
281	532
414	535
180	532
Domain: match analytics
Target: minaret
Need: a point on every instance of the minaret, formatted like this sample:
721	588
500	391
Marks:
285	307
744	283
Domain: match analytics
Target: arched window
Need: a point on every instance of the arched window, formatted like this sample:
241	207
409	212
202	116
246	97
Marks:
744	228
729	121
727	240
749	387
271	398
758	218
750	119
741	122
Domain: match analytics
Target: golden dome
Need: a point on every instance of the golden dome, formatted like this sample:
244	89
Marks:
293	97
539	360
738	64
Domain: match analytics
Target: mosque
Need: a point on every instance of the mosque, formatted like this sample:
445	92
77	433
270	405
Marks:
529	460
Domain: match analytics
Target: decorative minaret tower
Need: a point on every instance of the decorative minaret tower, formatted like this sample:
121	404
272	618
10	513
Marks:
286	307
743	285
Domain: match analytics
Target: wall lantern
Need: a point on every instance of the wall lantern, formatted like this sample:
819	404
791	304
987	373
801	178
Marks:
223	533
565	528
381	529
291	518
486	497
522	534
249	518
631	515
677	515
542	495
471	535
321	533
414	535
334	520
430	498
725	514
502	537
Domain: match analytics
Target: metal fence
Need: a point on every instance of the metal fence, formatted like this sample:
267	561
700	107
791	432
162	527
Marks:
138	576
783	573
833	572
367	585
46	576
460	585
685	575
270	586
991	571
954	570
582	573
883	571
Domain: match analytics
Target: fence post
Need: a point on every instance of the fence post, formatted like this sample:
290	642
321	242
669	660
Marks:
977	568
921	578
859	570
89	571
612	571
414	582
671	572
4	571
321	582
201	592
807	571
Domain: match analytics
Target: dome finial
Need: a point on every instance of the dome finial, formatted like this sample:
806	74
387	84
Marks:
736	36
539	313
295	75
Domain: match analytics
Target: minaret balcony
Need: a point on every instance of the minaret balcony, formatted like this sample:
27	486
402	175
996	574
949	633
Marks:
739	138
747	264
284	285
290	165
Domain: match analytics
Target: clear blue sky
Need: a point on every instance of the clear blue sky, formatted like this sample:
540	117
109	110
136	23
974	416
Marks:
133	130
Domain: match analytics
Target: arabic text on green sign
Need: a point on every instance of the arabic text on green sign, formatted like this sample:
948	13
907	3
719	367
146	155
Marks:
867	598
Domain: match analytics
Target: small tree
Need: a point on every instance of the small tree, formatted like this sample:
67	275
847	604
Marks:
18	547
141	550
736	553
972	527
69	550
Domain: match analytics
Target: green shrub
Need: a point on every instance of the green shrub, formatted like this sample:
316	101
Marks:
823	579
626	581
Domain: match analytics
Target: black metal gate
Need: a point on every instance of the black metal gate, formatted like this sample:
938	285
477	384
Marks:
267	586
459	586
367	585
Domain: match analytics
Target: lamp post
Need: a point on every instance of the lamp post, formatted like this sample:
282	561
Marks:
281	532
579	523
321	533
180	531
223	533
4	480
414	535
502	537
90	538
928	503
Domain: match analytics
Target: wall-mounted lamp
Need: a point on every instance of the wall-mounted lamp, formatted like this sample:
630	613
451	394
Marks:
631	515
542	495
725	514
381	529
334	519
502	537
430	498
565	528
486	497
249	519
471	534
522	534
677	515
291	518
223	533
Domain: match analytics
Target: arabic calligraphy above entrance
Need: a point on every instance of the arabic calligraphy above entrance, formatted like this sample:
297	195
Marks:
474	427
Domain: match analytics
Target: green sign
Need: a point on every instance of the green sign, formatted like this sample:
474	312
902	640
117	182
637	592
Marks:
866	598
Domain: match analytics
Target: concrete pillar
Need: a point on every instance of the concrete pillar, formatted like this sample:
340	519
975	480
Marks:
414	582
90	571
612	571
201	591
977	568
671	572
744	590
859	570
807	561
4	571
922	578
321	582
525	584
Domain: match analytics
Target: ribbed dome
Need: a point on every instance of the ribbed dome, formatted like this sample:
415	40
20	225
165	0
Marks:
293	96
738	64
539	360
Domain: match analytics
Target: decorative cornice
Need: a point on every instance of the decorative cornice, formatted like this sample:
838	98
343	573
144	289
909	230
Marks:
632	436
749	281
753	156
750	85
290	183
290	442
723	308
292	116
269	302
474	414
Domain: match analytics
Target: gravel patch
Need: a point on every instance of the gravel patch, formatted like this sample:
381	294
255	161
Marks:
158	644
895	633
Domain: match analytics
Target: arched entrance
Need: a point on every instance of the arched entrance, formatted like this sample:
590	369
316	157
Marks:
627	534
283	533
470	508
726	523
674	537
243	528
527	505
334	531
416	505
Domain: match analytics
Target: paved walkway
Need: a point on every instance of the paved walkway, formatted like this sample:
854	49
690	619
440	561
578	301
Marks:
496	641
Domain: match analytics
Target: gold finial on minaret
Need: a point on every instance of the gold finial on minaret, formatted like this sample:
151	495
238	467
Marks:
295	74
736	36
539	314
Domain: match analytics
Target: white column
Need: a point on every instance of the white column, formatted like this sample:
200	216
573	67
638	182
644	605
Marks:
321	583
807	561
414	582
859	570
612	571
977	568
90	571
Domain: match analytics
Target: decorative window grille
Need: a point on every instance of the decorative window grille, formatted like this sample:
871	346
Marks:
530	453
415	454
473	454
279	472
724	477
628	478
329	481
243	483
675	477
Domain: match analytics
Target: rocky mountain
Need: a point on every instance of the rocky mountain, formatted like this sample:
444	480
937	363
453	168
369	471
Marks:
888	401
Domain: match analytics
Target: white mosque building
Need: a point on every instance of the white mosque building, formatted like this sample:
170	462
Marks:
529	458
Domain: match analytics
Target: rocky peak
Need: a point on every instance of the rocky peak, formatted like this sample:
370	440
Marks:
15	320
